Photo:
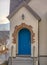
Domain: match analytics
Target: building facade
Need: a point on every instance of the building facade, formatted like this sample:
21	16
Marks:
26	31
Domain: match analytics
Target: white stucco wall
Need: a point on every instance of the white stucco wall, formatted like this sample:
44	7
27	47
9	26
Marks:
43	41
43	38
29	20
40	7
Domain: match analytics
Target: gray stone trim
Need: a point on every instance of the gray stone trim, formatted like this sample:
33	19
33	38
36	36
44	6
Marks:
28	7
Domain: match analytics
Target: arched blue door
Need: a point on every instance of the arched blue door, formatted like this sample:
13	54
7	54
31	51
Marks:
24	42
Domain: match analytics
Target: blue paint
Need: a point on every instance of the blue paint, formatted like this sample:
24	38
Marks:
24	42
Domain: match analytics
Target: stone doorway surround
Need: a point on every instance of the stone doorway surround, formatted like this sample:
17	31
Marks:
17	29
23	25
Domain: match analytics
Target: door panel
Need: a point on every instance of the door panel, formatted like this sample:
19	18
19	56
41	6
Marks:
24	42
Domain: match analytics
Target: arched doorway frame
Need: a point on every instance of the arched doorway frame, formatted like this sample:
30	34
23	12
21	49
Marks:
17	29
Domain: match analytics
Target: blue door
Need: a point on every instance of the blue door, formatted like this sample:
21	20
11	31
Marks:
24	42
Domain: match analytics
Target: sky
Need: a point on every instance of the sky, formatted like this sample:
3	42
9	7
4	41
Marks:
5	27
39	6
4	12
4	8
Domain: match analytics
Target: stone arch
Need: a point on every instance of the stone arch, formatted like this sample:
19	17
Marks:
19	27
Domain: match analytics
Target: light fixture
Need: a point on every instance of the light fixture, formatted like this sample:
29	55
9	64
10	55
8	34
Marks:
4	48
23	16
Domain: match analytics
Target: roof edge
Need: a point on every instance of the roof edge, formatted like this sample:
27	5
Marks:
29	8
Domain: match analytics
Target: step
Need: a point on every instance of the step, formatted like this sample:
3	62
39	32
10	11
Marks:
22	58
21	61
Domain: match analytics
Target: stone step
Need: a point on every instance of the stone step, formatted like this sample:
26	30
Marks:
21	61
22	58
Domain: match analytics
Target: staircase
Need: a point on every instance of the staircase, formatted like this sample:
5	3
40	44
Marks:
20	61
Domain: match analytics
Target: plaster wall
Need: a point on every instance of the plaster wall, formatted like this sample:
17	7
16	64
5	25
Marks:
43	42
40	7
